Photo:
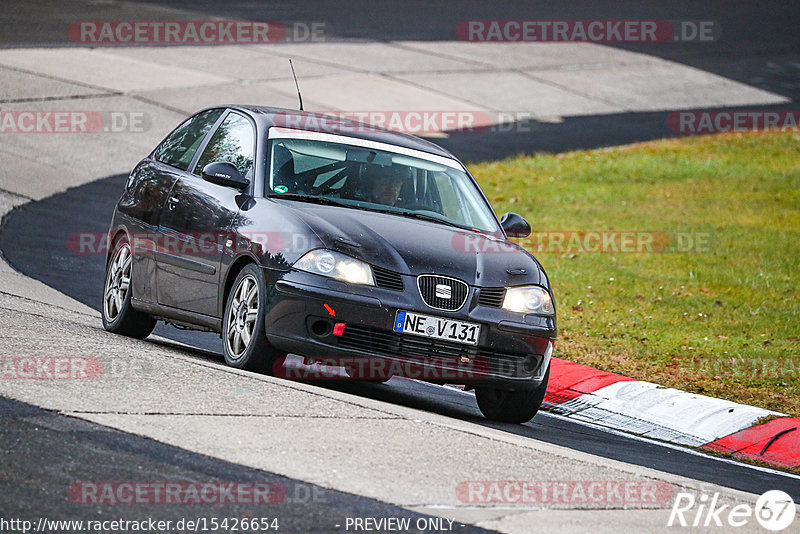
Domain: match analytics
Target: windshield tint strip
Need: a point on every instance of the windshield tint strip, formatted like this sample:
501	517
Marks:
287	133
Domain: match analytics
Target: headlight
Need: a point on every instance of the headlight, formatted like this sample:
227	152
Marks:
531	299
336	265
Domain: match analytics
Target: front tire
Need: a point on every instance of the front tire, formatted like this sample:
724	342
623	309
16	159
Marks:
244	337
119	316
511	406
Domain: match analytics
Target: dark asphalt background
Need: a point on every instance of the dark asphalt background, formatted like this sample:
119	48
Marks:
42	453
759	45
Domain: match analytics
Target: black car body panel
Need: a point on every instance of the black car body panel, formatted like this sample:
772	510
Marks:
191	237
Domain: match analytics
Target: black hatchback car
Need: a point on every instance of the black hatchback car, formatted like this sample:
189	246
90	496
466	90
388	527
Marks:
342	244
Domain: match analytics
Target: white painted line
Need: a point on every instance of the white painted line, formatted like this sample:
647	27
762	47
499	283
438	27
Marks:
669	414
649	440
673	446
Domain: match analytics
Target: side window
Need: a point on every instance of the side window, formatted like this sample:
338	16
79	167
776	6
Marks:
179	148
234	142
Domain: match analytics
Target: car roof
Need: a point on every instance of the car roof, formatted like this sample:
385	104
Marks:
307	120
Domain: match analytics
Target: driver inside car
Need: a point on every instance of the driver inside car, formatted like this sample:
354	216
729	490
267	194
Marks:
384	184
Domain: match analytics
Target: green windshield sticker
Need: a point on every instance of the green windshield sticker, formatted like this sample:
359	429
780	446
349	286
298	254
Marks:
280	189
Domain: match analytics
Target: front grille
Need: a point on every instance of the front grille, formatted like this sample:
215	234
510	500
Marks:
491	296
405	347
442	292
387	279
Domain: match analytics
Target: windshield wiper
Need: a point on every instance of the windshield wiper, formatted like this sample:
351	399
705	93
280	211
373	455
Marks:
311	199
423	216
432	218
332	202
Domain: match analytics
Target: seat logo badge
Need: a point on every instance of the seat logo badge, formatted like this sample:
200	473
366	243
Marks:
443	291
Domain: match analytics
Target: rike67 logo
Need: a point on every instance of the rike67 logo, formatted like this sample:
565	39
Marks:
774	510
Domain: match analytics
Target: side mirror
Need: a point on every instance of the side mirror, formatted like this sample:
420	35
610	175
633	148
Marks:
515	225
226	174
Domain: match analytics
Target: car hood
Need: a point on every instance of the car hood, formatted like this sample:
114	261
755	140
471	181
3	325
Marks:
412	246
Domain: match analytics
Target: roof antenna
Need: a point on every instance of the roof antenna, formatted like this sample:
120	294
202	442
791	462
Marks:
299	96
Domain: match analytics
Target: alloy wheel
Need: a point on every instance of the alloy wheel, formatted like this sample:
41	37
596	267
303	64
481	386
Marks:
118	281
242	315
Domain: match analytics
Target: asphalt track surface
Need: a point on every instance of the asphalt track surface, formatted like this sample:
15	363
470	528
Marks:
33	239
39	445
759	45
761	48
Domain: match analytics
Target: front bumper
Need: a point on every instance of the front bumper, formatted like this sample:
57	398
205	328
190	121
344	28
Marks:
513	350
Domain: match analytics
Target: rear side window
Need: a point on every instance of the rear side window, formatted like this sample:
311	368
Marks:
233	142
179	148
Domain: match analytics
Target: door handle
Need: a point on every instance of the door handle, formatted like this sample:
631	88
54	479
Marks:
172	203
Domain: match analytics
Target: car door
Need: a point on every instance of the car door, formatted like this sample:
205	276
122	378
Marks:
198	218
147	190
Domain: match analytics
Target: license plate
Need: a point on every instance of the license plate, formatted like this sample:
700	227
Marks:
436	327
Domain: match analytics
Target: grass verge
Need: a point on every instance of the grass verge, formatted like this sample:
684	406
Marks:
713	306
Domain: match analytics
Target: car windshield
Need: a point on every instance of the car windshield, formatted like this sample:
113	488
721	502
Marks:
404	182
